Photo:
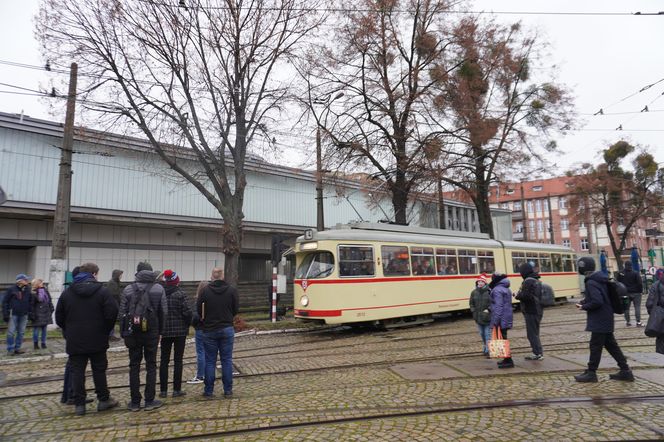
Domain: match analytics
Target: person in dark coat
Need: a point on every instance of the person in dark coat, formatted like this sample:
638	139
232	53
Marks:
113	286
86	311
217	307
175	333
634	285
597	305
530	296
41	312
480	304
501	309
16	308
144	343
656	297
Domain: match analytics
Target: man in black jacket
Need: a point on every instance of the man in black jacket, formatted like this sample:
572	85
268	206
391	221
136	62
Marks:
632	281
530	296
144	303
113	286
86	312
217	307
597	305
16	306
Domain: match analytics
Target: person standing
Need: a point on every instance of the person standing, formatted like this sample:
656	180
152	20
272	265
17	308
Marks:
501	309
200	345
144	304
86	311
656	297
113	286
530	296
599	323
41	312
632	281
480	302
16	307
174	335
217	307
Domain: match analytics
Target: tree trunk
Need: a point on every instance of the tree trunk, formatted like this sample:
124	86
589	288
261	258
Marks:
441	204
400	204
232	239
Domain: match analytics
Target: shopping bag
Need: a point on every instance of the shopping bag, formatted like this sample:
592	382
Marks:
655	324
498	347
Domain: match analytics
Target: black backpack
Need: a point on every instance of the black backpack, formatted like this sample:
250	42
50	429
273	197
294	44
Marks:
617	296
141	316
547	296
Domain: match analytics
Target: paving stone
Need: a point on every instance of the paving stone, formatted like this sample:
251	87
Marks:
426	370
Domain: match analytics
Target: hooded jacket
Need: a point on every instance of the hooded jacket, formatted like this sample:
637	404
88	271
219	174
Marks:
156	298
221	304
86	313
530	293
501	304
631	279
113	285
597	304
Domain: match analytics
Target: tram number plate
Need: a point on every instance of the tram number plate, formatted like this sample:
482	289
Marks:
361	314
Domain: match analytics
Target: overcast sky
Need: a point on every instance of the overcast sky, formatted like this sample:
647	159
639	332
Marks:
605	59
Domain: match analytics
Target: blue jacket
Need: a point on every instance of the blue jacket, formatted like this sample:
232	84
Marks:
17	300
501	305
596	303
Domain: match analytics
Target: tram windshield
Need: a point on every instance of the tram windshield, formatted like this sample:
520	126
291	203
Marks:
316	265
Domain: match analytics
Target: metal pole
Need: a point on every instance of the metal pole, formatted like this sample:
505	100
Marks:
320	221
551	239
60	244
274	294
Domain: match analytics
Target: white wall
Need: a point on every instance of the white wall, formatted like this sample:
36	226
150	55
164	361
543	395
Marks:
13	262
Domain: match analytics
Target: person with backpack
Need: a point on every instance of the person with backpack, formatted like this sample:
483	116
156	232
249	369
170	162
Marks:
632	280
86	312
501	309
656	297
480	303
530	296
175	333
600	311
143	310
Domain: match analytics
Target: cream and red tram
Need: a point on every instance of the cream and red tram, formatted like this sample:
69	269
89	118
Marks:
386	274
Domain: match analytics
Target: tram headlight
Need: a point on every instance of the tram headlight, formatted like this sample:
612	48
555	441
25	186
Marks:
304	300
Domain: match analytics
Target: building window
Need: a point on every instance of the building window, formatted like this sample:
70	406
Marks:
505	205
517	205
529	206
564	224
537	188
562	203
538	205
531	226
519	228
540	226
567	243
584	243
509	191
548	225
582	225
545	204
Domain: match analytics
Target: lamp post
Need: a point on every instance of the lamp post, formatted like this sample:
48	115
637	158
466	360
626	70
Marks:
320	213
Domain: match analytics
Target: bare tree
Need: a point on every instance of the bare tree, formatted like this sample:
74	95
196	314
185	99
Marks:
609	195
200	74
493	108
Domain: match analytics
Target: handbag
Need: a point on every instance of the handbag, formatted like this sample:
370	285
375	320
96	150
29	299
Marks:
498	347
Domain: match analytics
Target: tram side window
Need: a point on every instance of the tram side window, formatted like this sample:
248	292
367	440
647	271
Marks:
395	260
545	262
356	261
518	258
316	265
568	265
446	262
422	262
467	262
486	261
557	262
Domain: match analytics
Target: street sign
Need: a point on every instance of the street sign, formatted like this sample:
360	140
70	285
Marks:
652	270
3	196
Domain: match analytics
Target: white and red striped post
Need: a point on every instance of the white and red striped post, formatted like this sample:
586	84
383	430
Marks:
274	294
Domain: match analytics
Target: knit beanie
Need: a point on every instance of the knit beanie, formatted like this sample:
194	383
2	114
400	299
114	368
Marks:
171	277
143	266
482	278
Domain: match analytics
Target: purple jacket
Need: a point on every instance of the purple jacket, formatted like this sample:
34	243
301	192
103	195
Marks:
501	305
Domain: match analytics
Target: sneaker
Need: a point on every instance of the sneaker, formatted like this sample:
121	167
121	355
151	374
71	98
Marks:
628	324
586	376
179	393
133	406
228	395
622	375
534	357
18	351
43	344
36	346
80	410
153	404
195	380
207	395
163	394
639	324
107	404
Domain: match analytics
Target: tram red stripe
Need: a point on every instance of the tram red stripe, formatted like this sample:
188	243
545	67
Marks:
323	313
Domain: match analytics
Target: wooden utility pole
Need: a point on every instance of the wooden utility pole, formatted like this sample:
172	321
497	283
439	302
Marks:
60	244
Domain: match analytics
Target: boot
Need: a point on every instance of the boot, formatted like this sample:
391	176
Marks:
622	375
43	344
36	346
107	404
506	363
80	410
586	376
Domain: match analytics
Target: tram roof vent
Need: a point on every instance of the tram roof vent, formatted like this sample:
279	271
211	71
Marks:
412	230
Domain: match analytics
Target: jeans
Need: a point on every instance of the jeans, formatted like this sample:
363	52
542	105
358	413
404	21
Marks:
634	298
200	354
15	331
219	342
139	347
35	334
608	341
99	365
533	331
485	334
178	345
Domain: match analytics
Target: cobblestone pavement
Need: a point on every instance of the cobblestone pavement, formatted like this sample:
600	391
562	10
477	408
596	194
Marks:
422	383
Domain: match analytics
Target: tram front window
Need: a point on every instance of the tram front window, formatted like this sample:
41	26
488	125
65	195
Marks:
315	265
